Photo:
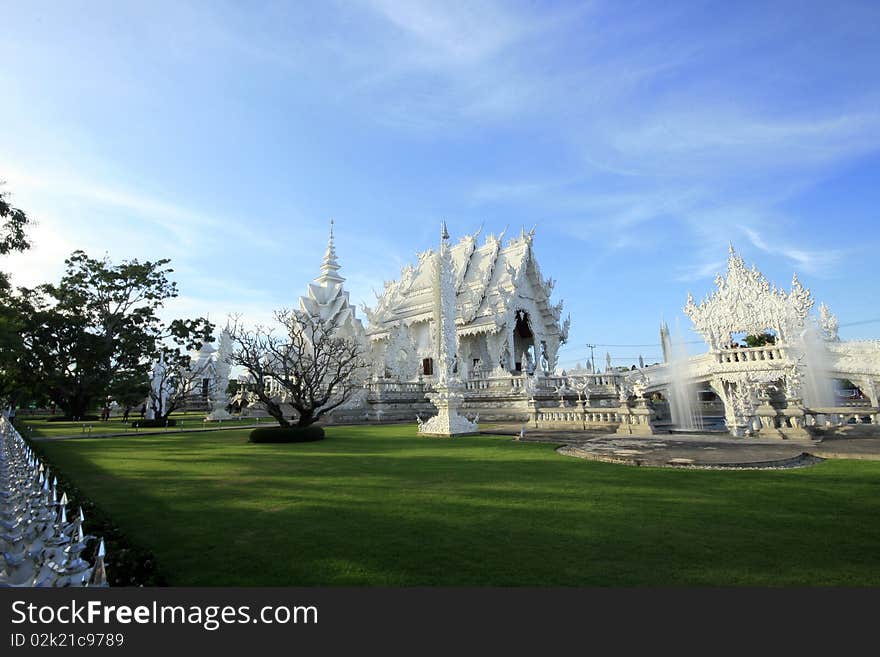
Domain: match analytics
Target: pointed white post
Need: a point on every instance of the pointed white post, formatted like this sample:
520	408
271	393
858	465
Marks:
447	395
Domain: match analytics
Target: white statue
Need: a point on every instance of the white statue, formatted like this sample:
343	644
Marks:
160	389
219	395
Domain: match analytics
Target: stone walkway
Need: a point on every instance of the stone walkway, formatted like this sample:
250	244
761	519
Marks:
702	450
131	433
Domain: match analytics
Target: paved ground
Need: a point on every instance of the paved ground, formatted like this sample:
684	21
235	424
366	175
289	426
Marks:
706	450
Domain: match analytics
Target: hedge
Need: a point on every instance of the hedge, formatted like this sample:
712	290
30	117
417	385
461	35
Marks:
292	434
154	424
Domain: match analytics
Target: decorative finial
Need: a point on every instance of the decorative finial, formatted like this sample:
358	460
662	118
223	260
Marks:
730	248
330	265
444	234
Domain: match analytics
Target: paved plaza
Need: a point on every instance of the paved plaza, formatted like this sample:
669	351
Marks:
704	449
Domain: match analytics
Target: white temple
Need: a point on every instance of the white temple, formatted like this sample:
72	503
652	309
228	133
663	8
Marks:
505	321
470	330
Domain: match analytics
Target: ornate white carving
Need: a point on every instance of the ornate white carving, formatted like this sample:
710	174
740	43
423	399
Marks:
745	302
219	394
161	388
828	324
490	283
447	396
328	300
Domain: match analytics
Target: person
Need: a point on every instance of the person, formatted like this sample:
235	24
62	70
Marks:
125	414
105	413
143	410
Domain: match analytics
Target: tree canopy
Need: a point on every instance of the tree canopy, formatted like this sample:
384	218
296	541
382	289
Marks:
760	340
97	331
13	222
12	229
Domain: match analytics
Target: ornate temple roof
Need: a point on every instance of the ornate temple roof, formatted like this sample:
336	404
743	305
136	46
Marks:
488	278
744	301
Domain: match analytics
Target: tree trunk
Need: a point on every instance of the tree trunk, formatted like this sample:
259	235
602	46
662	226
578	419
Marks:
275	411
74	406
306	417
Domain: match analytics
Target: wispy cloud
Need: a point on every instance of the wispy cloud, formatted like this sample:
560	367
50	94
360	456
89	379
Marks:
458	33
647	138
185	227
811	261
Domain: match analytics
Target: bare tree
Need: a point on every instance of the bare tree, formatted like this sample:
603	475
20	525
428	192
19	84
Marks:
307	365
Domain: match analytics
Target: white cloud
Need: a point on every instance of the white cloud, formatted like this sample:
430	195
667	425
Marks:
815	261
460	32
186	228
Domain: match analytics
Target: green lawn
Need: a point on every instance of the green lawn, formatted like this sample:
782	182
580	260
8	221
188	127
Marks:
41	427
379	506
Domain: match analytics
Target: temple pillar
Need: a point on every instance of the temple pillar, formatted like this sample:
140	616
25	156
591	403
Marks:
871	390
508	363
494	346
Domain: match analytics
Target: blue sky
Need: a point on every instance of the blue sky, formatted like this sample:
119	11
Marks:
639	138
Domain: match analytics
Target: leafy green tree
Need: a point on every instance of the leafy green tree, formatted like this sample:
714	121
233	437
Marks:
129	389
13	222
760	340
12	230
98	330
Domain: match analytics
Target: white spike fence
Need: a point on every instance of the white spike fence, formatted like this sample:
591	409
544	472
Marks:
39	544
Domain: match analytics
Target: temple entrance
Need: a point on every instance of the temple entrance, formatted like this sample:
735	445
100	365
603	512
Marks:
524	355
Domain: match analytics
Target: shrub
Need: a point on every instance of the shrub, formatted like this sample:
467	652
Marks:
153	424
292	434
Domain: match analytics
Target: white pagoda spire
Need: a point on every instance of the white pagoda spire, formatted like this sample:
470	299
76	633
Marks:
330	265
327	298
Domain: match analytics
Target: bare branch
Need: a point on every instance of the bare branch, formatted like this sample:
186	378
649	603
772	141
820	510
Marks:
308	366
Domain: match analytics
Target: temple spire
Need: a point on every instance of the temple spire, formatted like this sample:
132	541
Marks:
330	265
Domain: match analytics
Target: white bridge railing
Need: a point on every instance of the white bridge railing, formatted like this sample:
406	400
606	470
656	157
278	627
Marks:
515	383
751	354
